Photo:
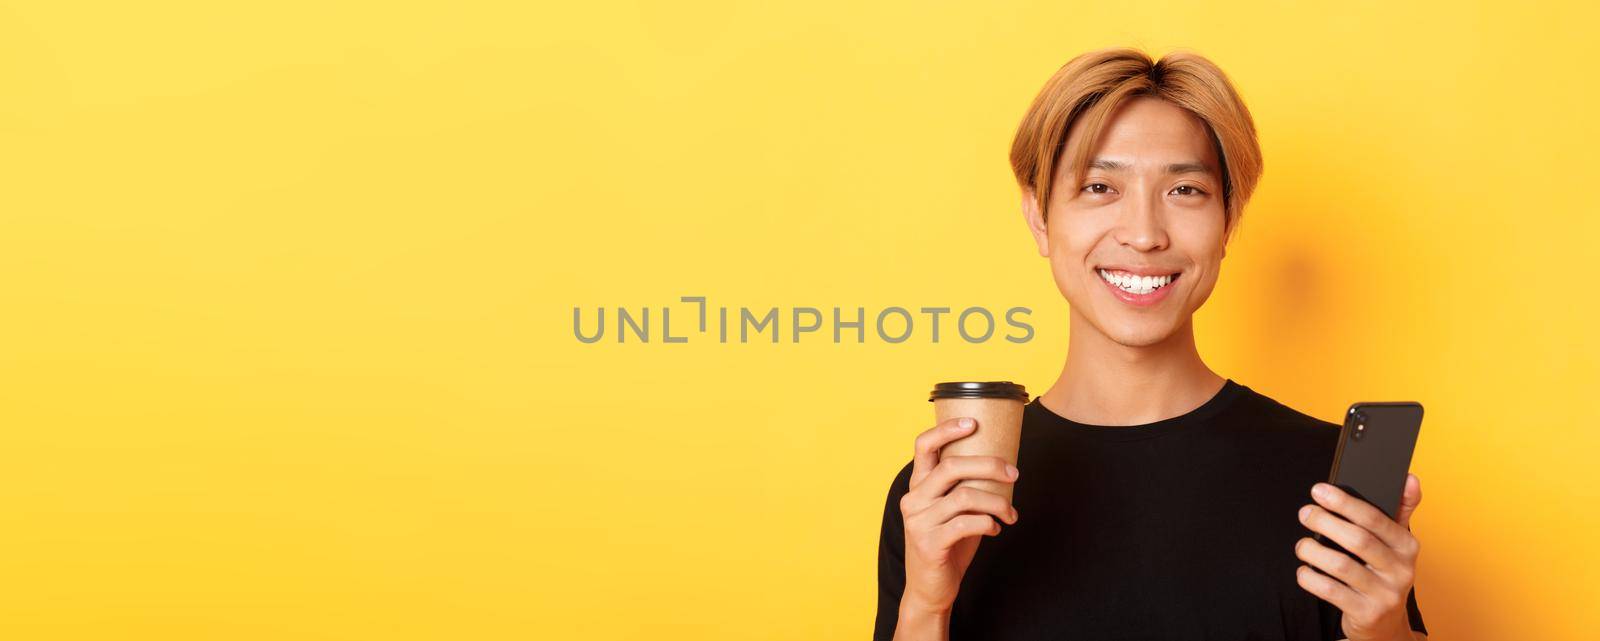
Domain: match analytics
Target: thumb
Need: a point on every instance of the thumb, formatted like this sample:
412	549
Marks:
1410	498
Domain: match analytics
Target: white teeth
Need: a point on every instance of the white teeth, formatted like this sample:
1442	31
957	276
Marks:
1135	284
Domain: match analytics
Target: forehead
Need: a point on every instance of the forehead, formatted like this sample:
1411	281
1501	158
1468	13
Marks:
1148	131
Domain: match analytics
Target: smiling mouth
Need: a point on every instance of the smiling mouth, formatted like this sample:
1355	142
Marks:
1134	283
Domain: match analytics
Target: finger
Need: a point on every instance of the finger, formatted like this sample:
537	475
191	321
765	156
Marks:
954	469
970	500
1409	500
1361	513
1339	594
928	444
1362	544
1338	565
965	526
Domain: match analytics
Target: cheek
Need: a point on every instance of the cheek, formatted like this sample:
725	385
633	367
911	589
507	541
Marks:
1071	240
1201	241
1200	238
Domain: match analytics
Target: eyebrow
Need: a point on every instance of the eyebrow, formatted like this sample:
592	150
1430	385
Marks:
1174	168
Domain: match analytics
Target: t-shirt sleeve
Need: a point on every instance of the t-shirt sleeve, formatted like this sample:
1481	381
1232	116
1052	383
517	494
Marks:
891	558
1414	613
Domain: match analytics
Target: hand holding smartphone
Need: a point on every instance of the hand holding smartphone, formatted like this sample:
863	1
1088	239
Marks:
1370	511
1374	454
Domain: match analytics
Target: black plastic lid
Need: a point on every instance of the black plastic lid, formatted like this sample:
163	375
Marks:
988	389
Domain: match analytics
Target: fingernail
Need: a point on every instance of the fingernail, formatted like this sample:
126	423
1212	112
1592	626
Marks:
966	423
1305	513
1011	471
1320	491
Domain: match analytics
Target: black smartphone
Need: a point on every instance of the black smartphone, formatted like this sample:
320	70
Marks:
1374	454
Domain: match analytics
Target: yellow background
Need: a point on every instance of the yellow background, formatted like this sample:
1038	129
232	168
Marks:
286	347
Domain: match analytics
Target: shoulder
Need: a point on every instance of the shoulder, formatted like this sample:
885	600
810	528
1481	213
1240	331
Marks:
1282	440
898	488
1266	413
901	484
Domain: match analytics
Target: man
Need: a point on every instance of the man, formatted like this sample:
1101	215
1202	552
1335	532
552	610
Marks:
1154	498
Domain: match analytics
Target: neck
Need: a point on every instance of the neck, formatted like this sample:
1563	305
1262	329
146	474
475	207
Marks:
1107	383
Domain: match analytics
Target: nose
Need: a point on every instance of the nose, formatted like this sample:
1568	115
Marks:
1141	224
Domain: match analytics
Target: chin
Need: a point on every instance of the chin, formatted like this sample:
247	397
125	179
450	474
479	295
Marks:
1136	333
1140	339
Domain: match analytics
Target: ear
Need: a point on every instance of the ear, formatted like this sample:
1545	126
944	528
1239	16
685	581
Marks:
1035	220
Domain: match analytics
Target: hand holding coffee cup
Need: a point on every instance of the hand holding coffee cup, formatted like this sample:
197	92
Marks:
961	483
997	408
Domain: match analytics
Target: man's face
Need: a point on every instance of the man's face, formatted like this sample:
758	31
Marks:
1136	247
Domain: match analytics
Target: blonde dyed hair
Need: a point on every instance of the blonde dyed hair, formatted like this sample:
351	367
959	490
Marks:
1092	86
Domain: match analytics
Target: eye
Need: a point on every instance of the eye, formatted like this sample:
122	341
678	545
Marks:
1193	190
1091	188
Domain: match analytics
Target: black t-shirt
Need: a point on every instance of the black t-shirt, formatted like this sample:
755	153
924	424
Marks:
1179	529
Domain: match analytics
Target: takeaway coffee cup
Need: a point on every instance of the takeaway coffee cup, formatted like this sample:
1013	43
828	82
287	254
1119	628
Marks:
997	407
